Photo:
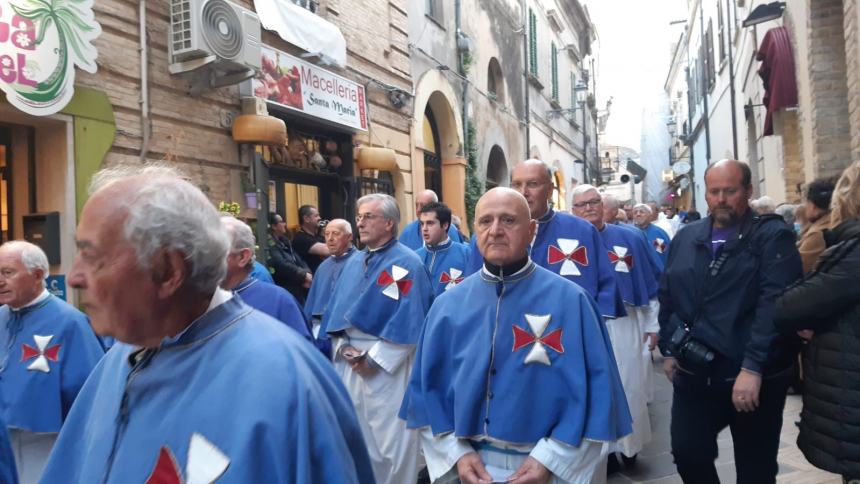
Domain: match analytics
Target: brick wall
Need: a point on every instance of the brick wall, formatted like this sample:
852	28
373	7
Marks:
852	53
831	132
792	155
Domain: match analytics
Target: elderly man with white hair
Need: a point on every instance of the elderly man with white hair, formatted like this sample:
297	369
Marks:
273	300
201	388
659	239
47	351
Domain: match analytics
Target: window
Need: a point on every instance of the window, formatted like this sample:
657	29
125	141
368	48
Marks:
721	32
554	51
495	82
533	57
709	44
307	4
572	90
433	8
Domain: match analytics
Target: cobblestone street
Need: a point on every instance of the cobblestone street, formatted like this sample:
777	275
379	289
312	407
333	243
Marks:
654	465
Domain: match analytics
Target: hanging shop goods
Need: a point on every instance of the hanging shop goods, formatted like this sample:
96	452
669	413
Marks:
291	83
305	151
40	45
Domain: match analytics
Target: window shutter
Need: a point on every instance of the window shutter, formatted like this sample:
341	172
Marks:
554	72
533	67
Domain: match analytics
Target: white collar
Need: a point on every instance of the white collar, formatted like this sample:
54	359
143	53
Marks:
41	297
220	297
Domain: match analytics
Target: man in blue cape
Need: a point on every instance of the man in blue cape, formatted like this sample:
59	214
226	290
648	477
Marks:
338	239
200	387
411	236
47	351
657	237
510	385
637	280
563	244
444	259
375	317
268	298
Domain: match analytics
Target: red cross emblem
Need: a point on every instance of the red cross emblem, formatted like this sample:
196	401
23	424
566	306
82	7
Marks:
42	353
622	260
569	253
394	283
659	245
452	279
523	338
206	463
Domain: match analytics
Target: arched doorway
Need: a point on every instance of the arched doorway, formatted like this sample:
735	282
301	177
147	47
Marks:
432	155
497	168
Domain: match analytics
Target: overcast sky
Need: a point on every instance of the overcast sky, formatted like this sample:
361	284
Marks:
634	55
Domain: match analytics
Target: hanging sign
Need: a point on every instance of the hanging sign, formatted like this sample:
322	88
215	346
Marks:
40	45
294	84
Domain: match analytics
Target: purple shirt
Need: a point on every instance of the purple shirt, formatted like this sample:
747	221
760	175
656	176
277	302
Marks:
720	235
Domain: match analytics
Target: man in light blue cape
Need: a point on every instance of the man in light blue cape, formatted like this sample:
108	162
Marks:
509	383
444	259
563	243
200	387
657	237
338	239
47	350
411	236
633	336
374	320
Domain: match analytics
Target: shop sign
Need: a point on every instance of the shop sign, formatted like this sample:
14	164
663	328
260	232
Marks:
41	42
297	85
57	285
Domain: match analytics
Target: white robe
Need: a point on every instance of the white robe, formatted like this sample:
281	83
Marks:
568	464
31	451
627	345
648	324
392	447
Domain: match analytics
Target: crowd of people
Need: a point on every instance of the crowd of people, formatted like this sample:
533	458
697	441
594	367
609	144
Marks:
522	354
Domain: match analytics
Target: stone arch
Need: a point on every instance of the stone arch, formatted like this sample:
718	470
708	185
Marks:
497	168
495	80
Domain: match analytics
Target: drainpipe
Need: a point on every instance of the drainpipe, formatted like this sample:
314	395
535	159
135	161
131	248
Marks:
706	62
465	81
526	76
731	80
144	83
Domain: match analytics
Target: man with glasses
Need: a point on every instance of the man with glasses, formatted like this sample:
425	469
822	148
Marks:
374	319
633	336
563	243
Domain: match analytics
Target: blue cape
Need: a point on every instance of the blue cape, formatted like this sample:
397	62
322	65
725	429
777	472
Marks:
505	360
385	293
629	255
275	301
446	264
322	287
411	235
261	273
659	240
236	379
51	353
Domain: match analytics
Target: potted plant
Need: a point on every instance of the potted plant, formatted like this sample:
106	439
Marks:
250	190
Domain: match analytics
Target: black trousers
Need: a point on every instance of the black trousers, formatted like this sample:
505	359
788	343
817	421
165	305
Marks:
701	409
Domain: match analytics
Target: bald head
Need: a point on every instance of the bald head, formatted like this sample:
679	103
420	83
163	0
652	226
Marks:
728	188
533	180
503	226
425	197
338	236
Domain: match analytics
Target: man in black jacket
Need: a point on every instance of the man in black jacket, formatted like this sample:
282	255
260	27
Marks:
290	271
727	363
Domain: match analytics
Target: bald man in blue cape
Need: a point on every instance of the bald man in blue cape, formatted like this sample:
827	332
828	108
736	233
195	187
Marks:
509	384
563	244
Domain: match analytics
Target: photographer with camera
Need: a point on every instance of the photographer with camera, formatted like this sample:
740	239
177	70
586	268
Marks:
727	363
308	242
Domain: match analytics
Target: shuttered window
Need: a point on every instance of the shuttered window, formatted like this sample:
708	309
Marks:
533	57
554	51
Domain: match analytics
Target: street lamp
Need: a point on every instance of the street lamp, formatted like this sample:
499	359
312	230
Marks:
581	92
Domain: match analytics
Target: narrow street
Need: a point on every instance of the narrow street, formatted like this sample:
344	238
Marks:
654	465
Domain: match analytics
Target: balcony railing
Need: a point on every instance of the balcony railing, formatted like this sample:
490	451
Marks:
307	4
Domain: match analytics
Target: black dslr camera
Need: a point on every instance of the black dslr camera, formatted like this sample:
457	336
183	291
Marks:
687	349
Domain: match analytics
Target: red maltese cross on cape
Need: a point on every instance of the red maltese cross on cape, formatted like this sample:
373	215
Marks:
569	253
206	463
659	245
394	283
538	353
42	353
452	278
623	262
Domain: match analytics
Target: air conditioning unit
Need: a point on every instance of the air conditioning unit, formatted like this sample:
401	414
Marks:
215	40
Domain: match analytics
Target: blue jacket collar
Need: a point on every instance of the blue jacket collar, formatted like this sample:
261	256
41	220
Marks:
209	324
436	248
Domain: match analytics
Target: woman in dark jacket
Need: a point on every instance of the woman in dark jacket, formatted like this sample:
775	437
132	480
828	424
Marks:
825	308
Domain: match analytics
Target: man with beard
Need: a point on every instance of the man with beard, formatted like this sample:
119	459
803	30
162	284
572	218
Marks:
727	363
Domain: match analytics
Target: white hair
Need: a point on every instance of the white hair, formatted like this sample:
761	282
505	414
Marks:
388	206
240	234
583	188
763	203
347	227
111	174
611	201
643	206
32	256
167	212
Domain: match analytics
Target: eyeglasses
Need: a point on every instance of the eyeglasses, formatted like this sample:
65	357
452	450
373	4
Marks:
366	216
590	203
